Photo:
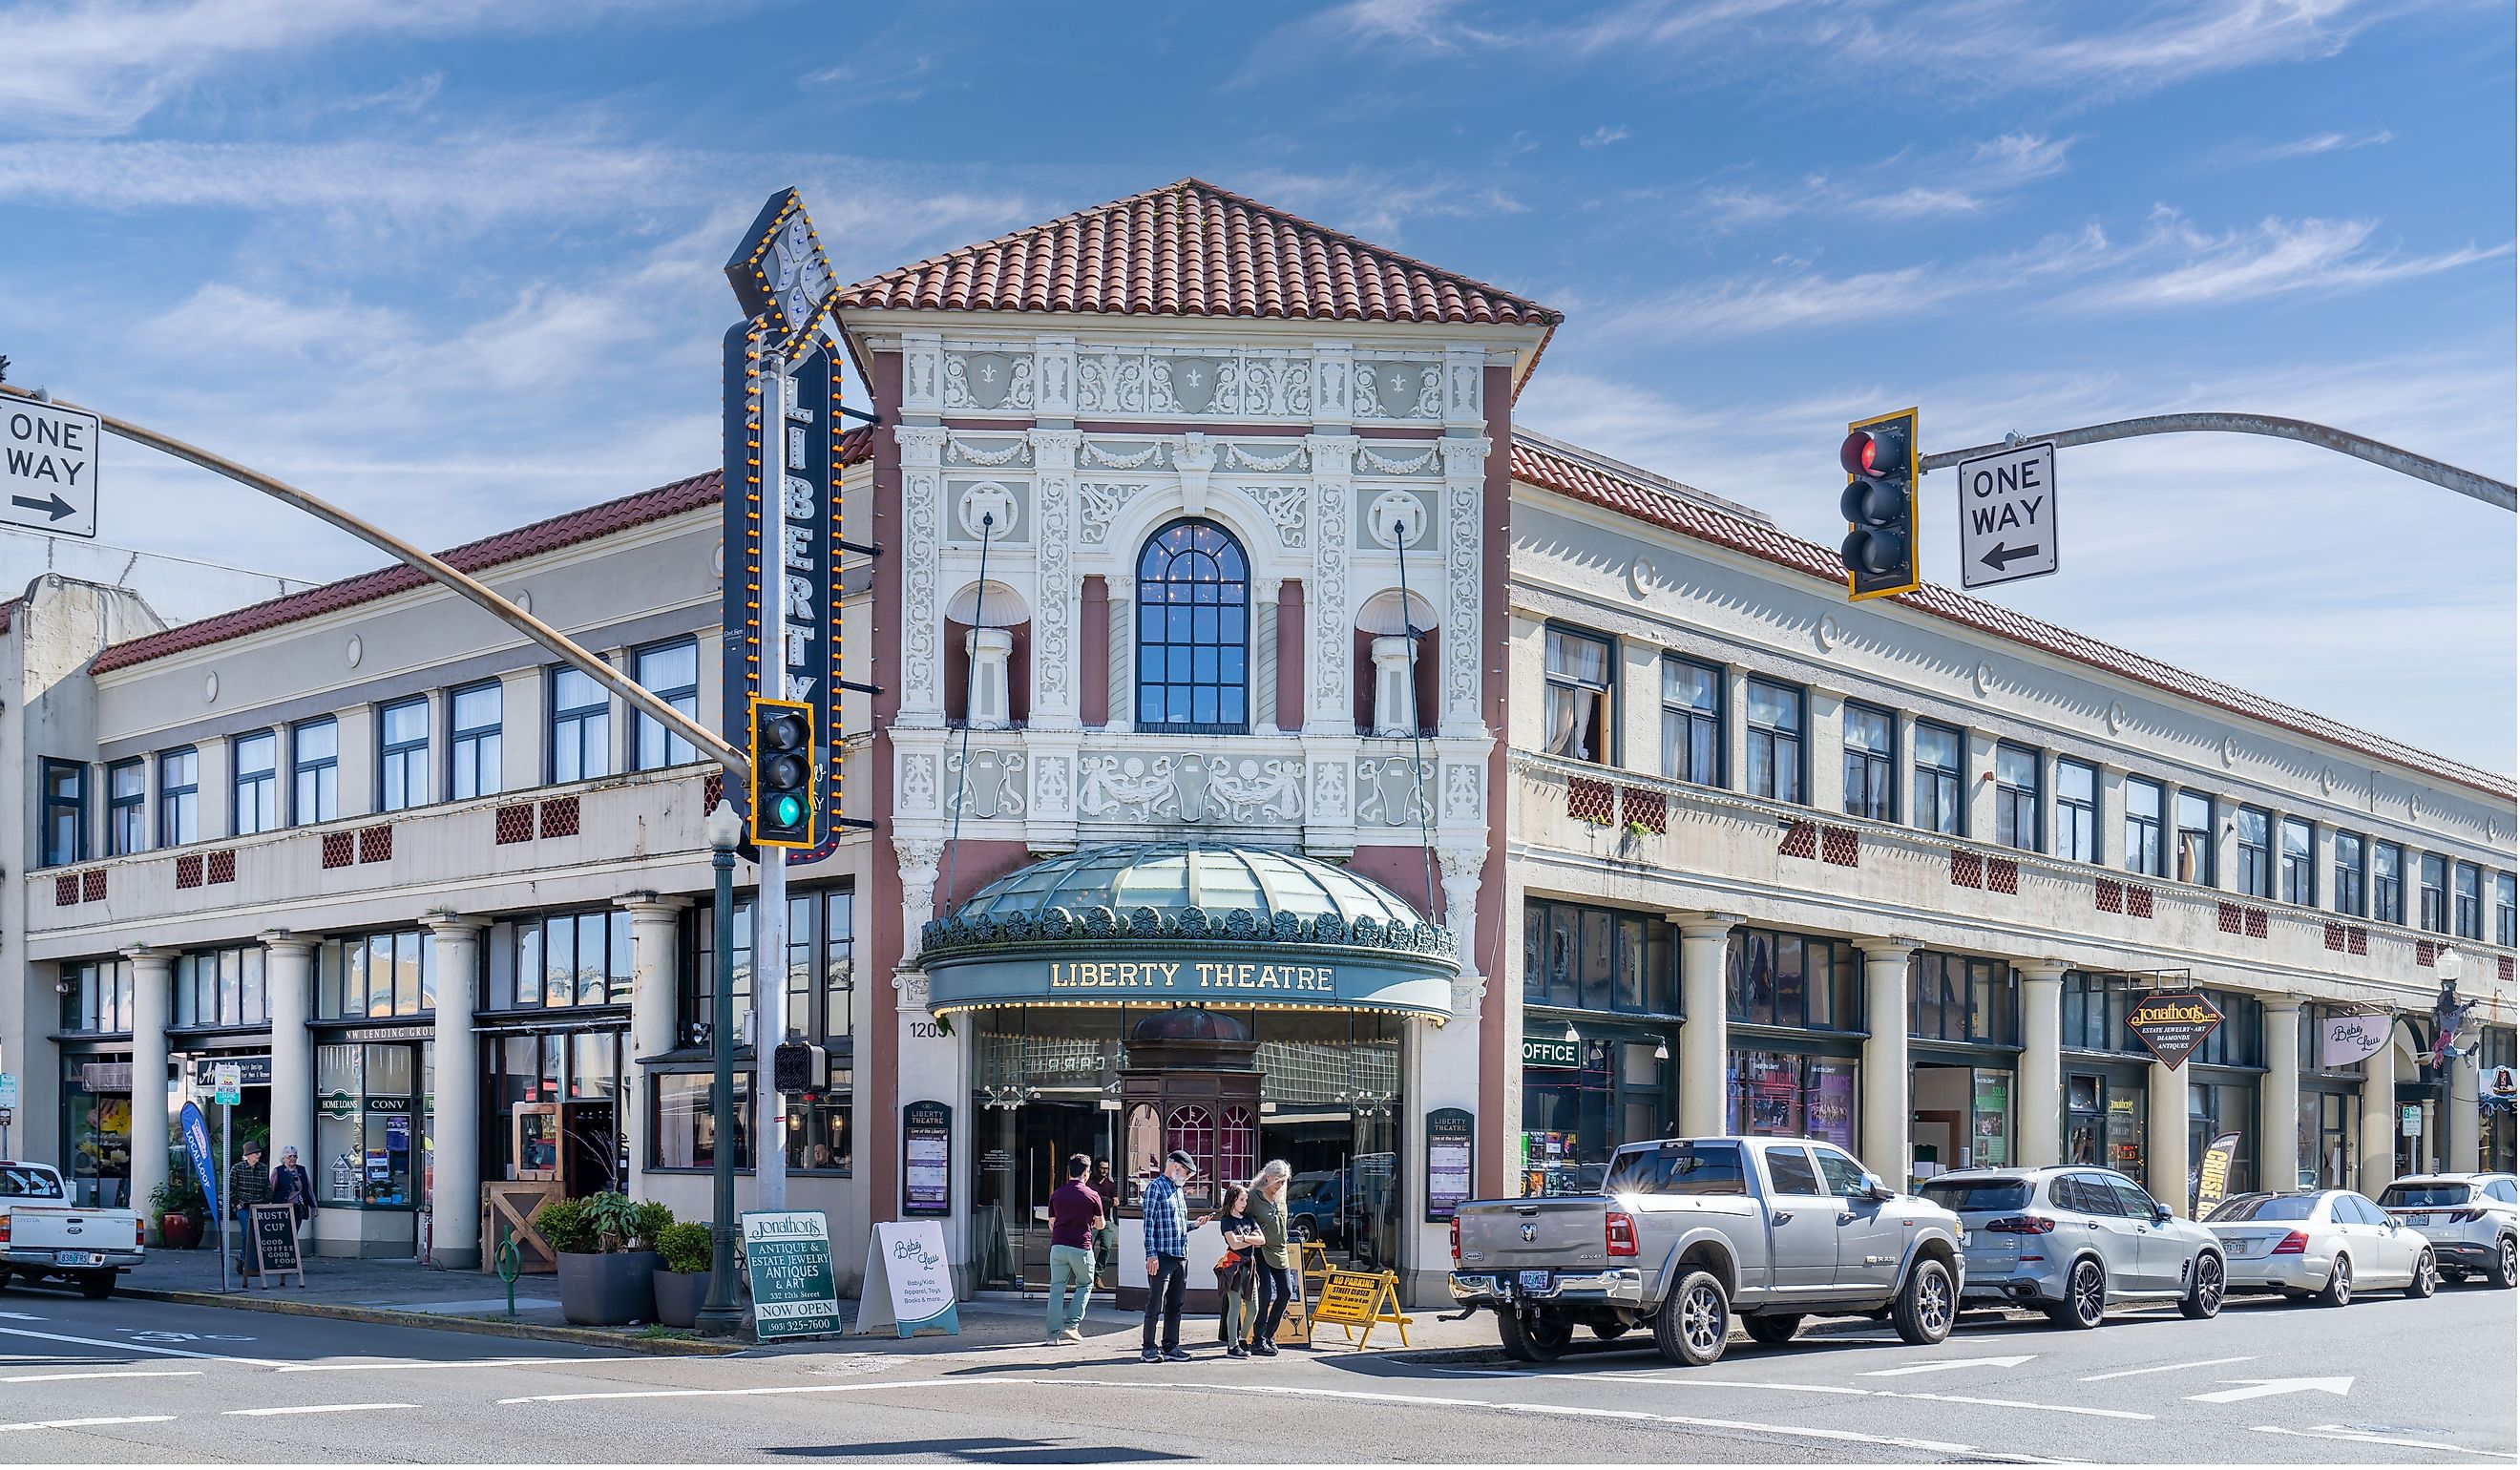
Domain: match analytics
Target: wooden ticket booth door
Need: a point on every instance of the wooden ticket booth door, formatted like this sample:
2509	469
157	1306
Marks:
1191	1085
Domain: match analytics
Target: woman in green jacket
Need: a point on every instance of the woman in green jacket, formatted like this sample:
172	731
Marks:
1273	1262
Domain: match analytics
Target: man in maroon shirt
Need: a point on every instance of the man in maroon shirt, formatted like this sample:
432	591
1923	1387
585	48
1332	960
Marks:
1075	1214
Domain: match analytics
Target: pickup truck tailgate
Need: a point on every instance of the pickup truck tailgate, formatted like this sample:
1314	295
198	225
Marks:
1509	1235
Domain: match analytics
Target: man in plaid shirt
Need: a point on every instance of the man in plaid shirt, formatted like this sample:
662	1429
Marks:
1168	1225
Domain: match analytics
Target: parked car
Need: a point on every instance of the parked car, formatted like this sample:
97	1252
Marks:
43	1234
2318	1245
2471	1220
2073	1241
1688	1233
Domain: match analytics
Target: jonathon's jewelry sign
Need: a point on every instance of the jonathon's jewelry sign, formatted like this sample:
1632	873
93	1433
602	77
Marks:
2174	1024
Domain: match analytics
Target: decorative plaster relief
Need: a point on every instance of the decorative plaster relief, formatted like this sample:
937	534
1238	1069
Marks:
1826	633
1393	790
962	451
986	784
1330	791
917	782
987	510
1093	453
1247	385
1399	390
1054	671
1296	460
1330	597
1284	505
1098	504
920	513
1463	786
1396	520
1190	787
2117	717
1050	790
1367	461
988	380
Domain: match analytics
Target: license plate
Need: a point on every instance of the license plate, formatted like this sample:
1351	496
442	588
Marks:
1535	1281
77	1258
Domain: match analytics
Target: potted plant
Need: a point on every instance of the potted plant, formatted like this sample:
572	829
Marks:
605	1268
183	1214
682	1284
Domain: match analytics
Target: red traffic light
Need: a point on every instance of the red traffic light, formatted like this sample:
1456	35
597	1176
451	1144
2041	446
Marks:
1872	451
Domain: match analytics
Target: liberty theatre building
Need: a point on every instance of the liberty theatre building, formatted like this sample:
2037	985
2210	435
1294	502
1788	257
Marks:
1275	753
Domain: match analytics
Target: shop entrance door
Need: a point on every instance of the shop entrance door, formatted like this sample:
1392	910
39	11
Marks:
1345	1192
1023	1152
590	1148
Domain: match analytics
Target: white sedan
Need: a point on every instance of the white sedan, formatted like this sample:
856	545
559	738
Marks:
2320	1244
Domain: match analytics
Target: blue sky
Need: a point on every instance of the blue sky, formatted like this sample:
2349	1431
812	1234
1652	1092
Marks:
454	264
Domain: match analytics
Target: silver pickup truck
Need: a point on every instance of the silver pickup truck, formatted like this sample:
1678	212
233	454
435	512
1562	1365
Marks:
1689	1232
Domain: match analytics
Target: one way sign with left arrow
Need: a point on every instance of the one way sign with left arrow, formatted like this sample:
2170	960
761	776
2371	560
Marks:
48	458
2008	516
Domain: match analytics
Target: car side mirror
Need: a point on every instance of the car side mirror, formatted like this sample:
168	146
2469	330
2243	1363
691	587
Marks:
1878	1191
2160	1213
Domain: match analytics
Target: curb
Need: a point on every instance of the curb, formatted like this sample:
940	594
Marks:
667	1347
1851	1326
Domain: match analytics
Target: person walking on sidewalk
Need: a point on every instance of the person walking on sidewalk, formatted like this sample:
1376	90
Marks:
1107	1239
1272	1265
1168	1227
1075	1214
248	1185
291	1186
1233	1292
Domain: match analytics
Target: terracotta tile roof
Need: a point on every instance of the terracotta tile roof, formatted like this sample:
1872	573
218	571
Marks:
8	612
565	530
1192	249
1629	491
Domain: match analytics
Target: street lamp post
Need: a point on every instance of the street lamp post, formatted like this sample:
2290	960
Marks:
720	1316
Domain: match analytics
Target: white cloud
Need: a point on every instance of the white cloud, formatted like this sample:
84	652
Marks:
1965	180
1603	136
2312	146
1373	203
2274	257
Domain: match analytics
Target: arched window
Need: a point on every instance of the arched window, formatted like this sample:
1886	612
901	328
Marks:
1194	630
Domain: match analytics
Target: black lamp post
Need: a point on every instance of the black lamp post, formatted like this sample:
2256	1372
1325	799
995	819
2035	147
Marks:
719	1317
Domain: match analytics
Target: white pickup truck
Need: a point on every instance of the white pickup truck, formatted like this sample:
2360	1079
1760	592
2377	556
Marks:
43	1234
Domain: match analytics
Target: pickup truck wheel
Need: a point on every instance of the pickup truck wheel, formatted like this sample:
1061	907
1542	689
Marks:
1690	1326
1774	1332
1924	1310
2205	1294
1532	1337
2087	1297
97	1285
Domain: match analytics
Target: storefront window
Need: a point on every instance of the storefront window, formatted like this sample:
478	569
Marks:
96	996
2215	1108
1962	1116
1581	959
2327	1143
1951	997
367	1101
821	965
557	960
1583	1099
2104	1120
562	1106
686	1125
2093	1014
96	1127
1795	981
1787	1095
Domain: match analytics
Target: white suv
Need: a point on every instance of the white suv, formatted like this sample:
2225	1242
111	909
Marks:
2472	1219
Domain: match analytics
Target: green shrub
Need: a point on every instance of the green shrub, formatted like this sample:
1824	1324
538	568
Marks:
179	1196
655	1220
615	1218
686	1247
568	1226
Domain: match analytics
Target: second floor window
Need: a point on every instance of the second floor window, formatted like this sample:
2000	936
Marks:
2143	818
2294	881
1692	714
95	996
179	797
1193	629
2507	909
402	755
2195	838
2432	894
2388	882
1872	742
2078	812
222	988
581	728
2257	874
1775	765
2468	902
315	771
126	800
2344	886
1938	781
2016	797
1576	708
373	975
672	673
551	961
472	742
64	813
255	804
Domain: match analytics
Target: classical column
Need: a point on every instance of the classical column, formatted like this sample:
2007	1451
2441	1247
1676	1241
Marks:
1093	653
1119	691
2165	1145
656	1006
2280	1097
288	975
1702	1045
2038	1084
1264	656
2463	1142
1461	868
2379	1117
454	1194
1290	655
1886	1118
153	974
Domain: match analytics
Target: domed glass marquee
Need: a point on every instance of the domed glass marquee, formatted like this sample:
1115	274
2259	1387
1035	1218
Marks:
1193	923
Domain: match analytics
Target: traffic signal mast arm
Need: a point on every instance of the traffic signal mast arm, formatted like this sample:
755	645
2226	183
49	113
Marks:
700	735
2387	456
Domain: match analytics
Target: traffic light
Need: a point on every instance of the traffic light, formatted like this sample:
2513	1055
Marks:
1879	503
798	1069
783	773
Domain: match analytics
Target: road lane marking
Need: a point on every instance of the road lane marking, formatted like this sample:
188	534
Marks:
2053	1408
2332	1432
1947	1364
87	1423
1268	1390
129	1347
2262	1388
310	1408
119	1373
417	1364
2167	1367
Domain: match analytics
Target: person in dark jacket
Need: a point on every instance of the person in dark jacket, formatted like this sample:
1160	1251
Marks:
291	1186
247	1184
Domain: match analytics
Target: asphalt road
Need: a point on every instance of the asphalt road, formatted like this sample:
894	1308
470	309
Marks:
2387	1381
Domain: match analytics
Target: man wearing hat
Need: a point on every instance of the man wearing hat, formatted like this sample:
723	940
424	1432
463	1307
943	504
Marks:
247	1184
1168	1227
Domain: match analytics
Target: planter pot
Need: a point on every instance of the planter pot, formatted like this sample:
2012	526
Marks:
179	1232
680	1296
608	1289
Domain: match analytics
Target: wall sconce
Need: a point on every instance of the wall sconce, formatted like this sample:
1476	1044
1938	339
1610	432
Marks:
1571	1034
1662	1050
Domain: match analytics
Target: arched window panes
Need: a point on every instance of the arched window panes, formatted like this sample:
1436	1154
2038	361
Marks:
1194	630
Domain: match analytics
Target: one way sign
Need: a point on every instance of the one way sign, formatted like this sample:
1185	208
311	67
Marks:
48	468
2008	516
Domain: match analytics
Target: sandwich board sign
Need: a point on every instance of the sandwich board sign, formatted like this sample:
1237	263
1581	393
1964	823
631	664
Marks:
2008	516
271	1247
908	1284
787	1262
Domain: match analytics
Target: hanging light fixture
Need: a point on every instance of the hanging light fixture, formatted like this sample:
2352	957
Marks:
1662	1049
1571	1034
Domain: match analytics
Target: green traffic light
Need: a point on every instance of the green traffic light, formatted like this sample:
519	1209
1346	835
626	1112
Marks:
789	810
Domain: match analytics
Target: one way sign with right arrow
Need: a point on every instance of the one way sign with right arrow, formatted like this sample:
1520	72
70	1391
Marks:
2008	516
47	468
